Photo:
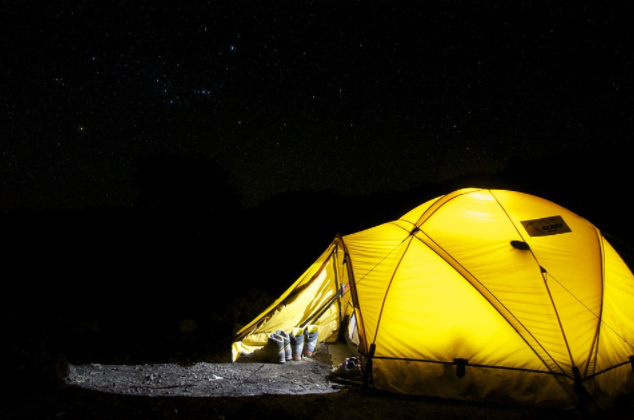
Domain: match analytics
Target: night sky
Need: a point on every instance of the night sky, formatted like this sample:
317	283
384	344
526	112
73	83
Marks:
352	97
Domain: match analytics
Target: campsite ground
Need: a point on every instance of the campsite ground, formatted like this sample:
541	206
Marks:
96	374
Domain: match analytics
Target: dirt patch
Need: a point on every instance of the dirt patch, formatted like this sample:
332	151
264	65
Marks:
243	378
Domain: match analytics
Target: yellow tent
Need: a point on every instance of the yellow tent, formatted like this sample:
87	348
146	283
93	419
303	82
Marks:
484	295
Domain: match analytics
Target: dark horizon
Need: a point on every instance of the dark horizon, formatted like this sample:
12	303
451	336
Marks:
185	239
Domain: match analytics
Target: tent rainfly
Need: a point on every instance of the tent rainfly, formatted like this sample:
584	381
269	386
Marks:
482	295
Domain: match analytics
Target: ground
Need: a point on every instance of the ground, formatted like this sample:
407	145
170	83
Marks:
244	378
160	380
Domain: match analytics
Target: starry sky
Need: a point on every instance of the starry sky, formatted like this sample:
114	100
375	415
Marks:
349	96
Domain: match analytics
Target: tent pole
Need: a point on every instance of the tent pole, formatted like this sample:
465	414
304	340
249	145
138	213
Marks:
367	366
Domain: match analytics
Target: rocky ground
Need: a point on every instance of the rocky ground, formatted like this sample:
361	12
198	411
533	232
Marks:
244	378
50	375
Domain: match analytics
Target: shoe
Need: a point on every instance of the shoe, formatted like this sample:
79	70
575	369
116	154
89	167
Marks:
310	340
287	344
297	343
273	351
349	369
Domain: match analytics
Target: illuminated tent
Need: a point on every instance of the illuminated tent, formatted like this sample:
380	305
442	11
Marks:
484	295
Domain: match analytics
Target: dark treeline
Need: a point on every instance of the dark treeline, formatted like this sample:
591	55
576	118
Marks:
187	250
188	237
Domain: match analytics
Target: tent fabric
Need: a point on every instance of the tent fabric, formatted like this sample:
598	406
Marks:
486	295
314	298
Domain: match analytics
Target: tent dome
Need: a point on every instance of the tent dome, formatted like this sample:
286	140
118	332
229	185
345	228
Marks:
479	294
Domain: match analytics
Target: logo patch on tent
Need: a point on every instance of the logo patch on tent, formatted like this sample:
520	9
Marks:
547	226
